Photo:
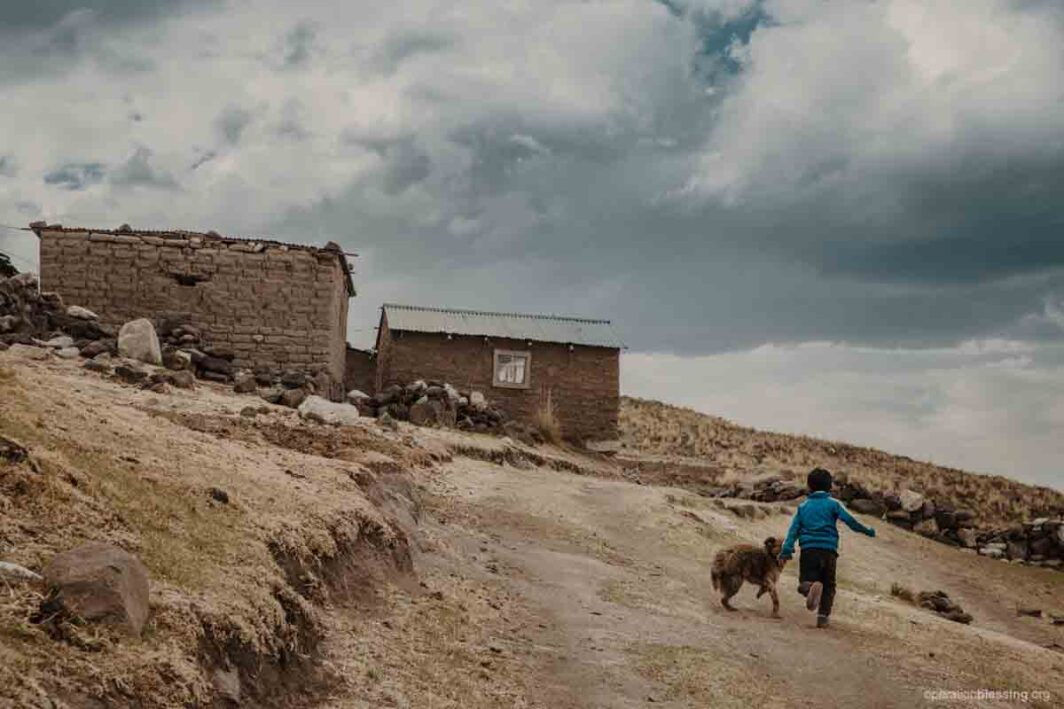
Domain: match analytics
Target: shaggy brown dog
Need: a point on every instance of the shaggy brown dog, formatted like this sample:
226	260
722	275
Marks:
745	562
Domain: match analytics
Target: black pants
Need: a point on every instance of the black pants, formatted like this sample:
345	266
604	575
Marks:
818	565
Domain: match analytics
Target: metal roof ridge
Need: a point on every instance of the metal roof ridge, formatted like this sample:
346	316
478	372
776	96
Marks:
531	316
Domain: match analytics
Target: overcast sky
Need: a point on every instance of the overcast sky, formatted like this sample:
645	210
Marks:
839	218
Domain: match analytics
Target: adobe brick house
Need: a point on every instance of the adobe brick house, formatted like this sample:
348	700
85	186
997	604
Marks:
517	361
275	305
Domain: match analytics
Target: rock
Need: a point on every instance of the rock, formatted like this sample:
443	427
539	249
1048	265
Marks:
76	311
928	509
219	495
1042	546
355	396
244	383
291	398
249	412
869	507
292	379
157	387
1056	618
13	573
1030	612
957	616
992	552
386	420
926	527
216	365
68	353
416	388
98	581
215	377
95	365
227	684
1016	550
328	411
28	352
177	360
892	502
911	501
477	400
182	379
97	347
901	518
964	516
426	412
8	323
137	340
945	518
968	537
130	374
60	342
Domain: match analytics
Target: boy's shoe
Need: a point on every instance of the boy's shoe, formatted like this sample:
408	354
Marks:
812	599
821	621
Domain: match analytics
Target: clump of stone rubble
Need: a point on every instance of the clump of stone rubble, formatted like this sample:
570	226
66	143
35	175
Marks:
31	318
431	403
1036	543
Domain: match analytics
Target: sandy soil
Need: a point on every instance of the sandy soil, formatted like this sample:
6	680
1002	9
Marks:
606	603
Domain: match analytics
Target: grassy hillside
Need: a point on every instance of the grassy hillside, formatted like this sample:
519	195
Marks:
726	451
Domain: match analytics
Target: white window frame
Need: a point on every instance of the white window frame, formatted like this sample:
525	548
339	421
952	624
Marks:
525	383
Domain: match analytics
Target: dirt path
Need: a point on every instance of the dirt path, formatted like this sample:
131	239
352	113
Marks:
613	580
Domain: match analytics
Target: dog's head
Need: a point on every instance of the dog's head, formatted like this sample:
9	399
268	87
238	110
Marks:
773	547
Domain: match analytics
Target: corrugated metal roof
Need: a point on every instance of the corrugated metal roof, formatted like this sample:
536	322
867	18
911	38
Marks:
519	326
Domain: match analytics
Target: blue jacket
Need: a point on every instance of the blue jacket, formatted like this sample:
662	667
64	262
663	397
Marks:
814	524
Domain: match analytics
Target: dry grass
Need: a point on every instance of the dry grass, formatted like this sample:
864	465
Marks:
726	450
546	421
109	471
701	677
903	592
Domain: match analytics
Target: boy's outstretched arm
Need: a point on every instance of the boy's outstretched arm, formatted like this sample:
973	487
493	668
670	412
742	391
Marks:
792	536
851	521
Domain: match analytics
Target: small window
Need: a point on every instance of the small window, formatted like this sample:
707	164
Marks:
512	369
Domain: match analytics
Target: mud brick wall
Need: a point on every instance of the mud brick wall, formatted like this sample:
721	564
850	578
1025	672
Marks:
361	371
272	305
584	383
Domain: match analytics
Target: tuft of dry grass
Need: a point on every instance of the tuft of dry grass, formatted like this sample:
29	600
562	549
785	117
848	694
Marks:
903	592
546	421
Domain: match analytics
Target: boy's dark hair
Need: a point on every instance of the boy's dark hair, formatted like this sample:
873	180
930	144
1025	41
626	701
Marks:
819	480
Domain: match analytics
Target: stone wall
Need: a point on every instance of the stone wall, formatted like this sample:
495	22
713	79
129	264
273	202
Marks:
271	304
583	384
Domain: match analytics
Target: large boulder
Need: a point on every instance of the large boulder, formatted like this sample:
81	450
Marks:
98	581
911	501
137	340
328	411
868	507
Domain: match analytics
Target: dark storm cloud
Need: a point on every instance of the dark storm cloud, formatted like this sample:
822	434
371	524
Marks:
232	122
17	17
298	43
400	47
137	171
75	176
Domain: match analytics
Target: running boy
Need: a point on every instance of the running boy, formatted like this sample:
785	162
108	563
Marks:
813	527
